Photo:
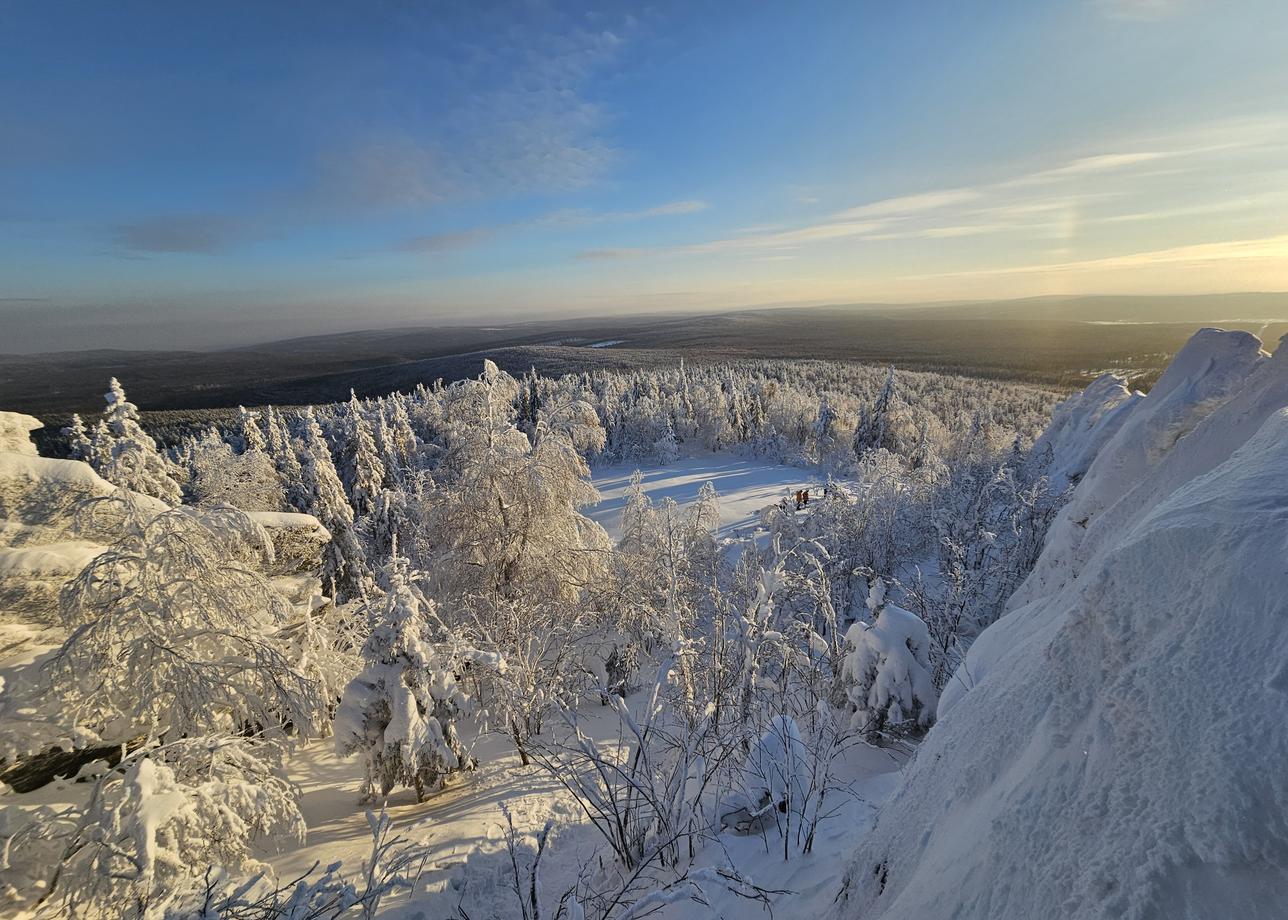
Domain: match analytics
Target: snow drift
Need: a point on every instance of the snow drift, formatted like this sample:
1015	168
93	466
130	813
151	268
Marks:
1114	746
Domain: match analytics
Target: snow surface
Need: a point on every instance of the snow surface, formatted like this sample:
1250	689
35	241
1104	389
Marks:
463	825
745	487
65	558
1114	747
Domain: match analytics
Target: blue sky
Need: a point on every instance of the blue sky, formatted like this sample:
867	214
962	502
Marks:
199	174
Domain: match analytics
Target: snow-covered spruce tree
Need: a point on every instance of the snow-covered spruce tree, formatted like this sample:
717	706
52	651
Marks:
125	455
362	469
402	448
159	820
78	443
174	634
823	444
287	463
345	572
887	670
248	430
400	712
873	427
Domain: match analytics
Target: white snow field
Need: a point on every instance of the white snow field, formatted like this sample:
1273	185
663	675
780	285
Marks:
745	487
1115	745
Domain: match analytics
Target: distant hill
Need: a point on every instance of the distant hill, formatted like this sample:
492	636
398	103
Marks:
1062	341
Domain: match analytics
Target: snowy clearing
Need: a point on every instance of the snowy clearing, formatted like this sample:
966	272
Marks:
745	487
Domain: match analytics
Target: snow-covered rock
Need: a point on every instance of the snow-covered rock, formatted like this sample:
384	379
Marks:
1114	746
1080	427
15	433
32	576
1125	476
298	541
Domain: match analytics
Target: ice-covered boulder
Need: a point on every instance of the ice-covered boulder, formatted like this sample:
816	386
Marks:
1114	747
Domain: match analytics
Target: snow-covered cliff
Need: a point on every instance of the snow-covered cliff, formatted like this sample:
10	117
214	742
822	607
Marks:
1114	745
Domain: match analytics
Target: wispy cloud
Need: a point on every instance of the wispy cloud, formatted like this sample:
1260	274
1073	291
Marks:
1083	166
177	233
1262	248
443	242
910	204
1053	202
461	239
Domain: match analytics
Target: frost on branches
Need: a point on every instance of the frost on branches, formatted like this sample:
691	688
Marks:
162	817
400	712
174	633
887	672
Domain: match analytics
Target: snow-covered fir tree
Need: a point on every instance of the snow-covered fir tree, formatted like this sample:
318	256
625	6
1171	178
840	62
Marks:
123	453
887	670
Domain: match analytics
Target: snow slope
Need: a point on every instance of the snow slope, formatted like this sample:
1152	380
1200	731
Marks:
744	487
1114	746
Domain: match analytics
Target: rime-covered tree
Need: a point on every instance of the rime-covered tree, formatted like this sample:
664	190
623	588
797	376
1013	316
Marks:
249	432
281	448
506	513
78	443
872	430
402	447
161	819
174	633
221	476
362	469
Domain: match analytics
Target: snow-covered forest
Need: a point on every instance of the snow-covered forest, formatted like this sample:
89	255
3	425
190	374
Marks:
384	656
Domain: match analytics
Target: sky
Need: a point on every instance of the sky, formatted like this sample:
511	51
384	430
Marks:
195	175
